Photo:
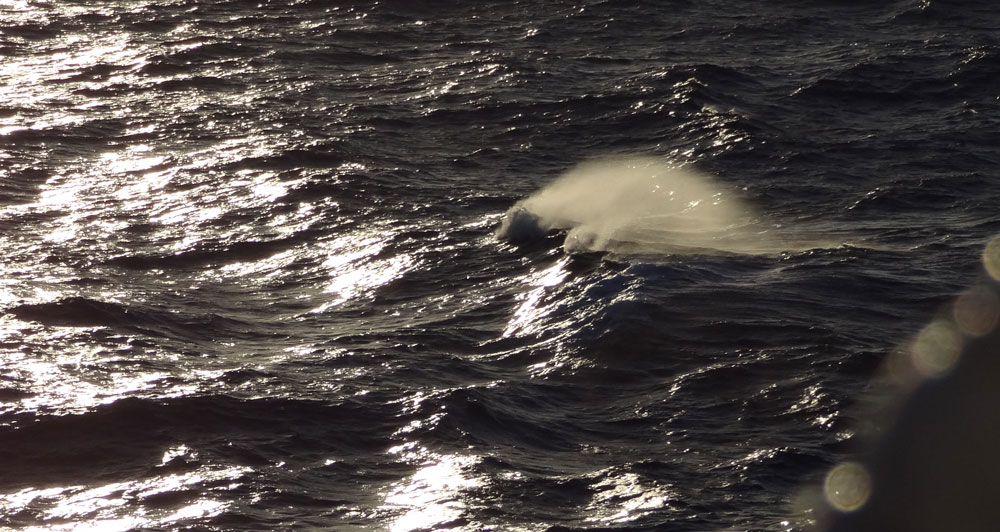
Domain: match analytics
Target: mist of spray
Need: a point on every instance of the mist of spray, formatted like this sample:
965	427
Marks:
638	205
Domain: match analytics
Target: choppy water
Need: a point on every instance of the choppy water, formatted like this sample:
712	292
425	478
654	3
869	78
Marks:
251	277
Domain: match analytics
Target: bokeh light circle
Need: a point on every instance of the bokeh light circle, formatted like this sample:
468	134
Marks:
991	258
847	486
936	348
976	311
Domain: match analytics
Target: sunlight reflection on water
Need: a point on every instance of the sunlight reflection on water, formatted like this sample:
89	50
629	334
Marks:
528	316
626	497
112	507
433	495
354	266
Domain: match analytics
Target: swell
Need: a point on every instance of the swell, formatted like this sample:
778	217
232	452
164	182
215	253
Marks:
129	436
944	76
213	254
330	156
541	416
687	87
134	318
21	185
36	31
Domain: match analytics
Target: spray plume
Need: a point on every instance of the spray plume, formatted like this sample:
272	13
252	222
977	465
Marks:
638	205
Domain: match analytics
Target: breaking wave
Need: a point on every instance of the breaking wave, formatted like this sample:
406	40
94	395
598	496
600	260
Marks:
639	205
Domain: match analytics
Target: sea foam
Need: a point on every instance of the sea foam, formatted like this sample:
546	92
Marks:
639	205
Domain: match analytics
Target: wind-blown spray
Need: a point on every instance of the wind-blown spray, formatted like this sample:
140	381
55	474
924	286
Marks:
638	205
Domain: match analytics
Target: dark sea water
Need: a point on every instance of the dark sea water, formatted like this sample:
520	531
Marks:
257	269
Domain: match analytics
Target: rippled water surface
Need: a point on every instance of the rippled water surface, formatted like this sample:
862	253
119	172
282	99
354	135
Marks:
252	278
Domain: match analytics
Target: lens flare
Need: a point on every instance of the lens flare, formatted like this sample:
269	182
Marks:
976	311
936	348
848	486
991	258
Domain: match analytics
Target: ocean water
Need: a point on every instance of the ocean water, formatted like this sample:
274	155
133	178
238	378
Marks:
387	265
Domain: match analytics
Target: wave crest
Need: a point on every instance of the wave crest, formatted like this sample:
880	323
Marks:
637	205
